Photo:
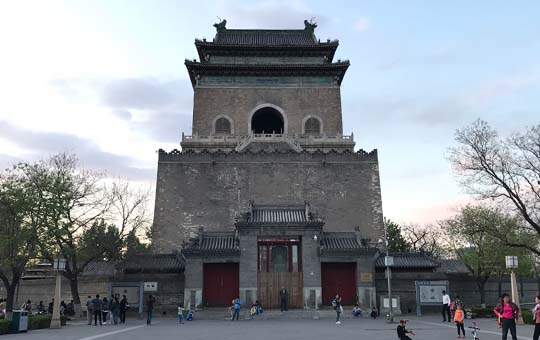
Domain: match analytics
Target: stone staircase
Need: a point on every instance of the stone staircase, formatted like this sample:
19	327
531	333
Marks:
274	314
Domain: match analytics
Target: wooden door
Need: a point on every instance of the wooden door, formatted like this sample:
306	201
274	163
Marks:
338	278
220	284
269	285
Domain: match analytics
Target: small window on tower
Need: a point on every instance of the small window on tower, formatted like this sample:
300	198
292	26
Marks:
223	126
312	126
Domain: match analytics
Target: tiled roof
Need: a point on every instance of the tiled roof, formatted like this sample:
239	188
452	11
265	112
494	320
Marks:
345	242
279	215
218	242
408	260
213	244
153	263
265	37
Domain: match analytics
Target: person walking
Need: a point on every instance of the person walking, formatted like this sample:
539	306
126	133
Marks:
508	312
536	317
339	309
123	309
105	310
283	297
150	304
446	306
89	309
97	305
459	319
237	304
115	309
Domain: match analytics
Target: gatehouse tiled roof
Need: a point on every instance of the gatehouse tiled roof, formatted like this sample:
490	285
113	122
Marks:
344	244
409	260
153	263
279	215
453	266
292	214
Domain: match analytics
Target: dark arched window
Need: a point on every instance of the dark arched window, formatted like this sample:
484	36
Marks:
267	120
223	126
312	126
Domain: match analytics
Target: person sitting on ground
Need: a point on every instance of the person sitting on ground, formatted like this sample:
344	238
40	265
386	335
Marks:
402	331
41	307
374	313
357	311
190	315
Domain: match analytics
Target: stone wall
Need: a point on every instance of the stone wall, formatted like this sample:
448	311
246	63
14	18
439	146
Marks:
209	190
169	295
296	102
462	285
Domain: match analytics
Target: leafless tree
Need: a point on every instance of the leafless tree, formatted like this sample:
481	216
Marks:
505	171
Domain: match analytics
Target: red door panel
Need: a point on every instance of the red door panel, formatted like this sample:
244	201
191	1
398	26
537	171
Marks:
220	283
338	278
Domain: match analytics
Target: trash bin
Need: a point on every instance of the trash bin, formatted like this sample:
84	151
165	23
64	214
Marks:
19	323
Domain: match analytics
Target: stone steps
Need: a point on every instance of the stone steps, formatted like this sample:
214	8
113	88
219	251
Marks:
273	314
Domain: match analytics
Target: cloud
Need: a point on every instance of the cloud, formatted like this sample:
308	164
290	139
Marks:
137	93
165	126
270	14
362	24
122	114
91	156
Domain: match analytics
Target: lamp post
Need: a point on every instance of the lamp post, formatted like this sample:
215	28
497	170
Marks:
389	262
59	265
512	264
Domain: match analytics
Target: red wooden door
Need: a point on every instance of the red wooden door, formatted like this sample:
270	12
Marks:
338	278
220	283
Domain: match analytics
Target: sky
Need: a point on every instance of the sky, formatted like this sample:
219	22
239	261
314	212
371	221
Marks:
105	79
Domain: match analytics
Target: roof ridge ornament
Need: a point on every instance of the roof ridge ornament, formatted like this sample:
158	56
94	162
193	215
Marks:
310	25
220	26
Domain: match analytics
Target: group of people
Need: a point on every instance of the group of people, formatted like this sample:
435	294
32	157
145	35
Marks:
65	309
506	311
103	310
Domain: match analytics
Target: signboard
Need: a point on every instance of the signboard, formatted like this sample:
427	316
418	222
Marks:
150	286
387	305
429	293
366	277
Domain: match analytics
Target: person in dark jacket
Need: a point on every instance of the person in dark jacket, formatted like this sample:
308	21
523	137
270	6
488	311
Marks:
150	304
89	309
507	311
338	308
114	307
402	331
97	306
123	309
283	297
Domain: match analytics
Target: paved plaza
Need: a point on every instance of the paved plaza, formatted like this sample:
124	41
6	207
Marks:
428	327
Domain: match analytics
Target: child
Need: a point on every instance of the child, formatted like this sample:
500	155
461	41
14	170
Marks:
189	316
459	319
357	311
402	331
180	314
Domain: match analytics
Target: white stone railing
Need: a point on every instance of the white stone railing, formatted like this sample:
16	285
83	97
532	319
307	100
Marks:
270	137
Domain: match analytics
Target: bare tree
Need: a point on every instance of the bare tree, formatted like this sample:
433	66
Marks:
428	239
506	171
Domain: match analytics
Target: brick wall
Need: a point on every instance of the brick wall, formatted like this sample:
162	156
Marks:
237	103
209	190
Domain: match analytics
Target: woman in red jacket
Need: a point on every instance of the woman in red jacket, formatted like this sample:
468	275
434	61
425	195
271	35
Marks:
536	317
508	312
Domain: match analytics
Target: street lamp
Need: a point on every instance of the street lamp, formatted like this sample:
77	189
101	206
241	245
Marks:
512	264
59	265
388	263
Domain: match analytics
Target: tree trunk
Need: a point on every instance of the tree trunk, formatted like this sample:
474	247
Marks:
74	285
482	289
10	291
499	287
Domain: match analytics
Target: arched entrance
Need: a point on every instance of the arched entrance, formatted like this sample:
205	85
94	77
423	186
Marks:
267	120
